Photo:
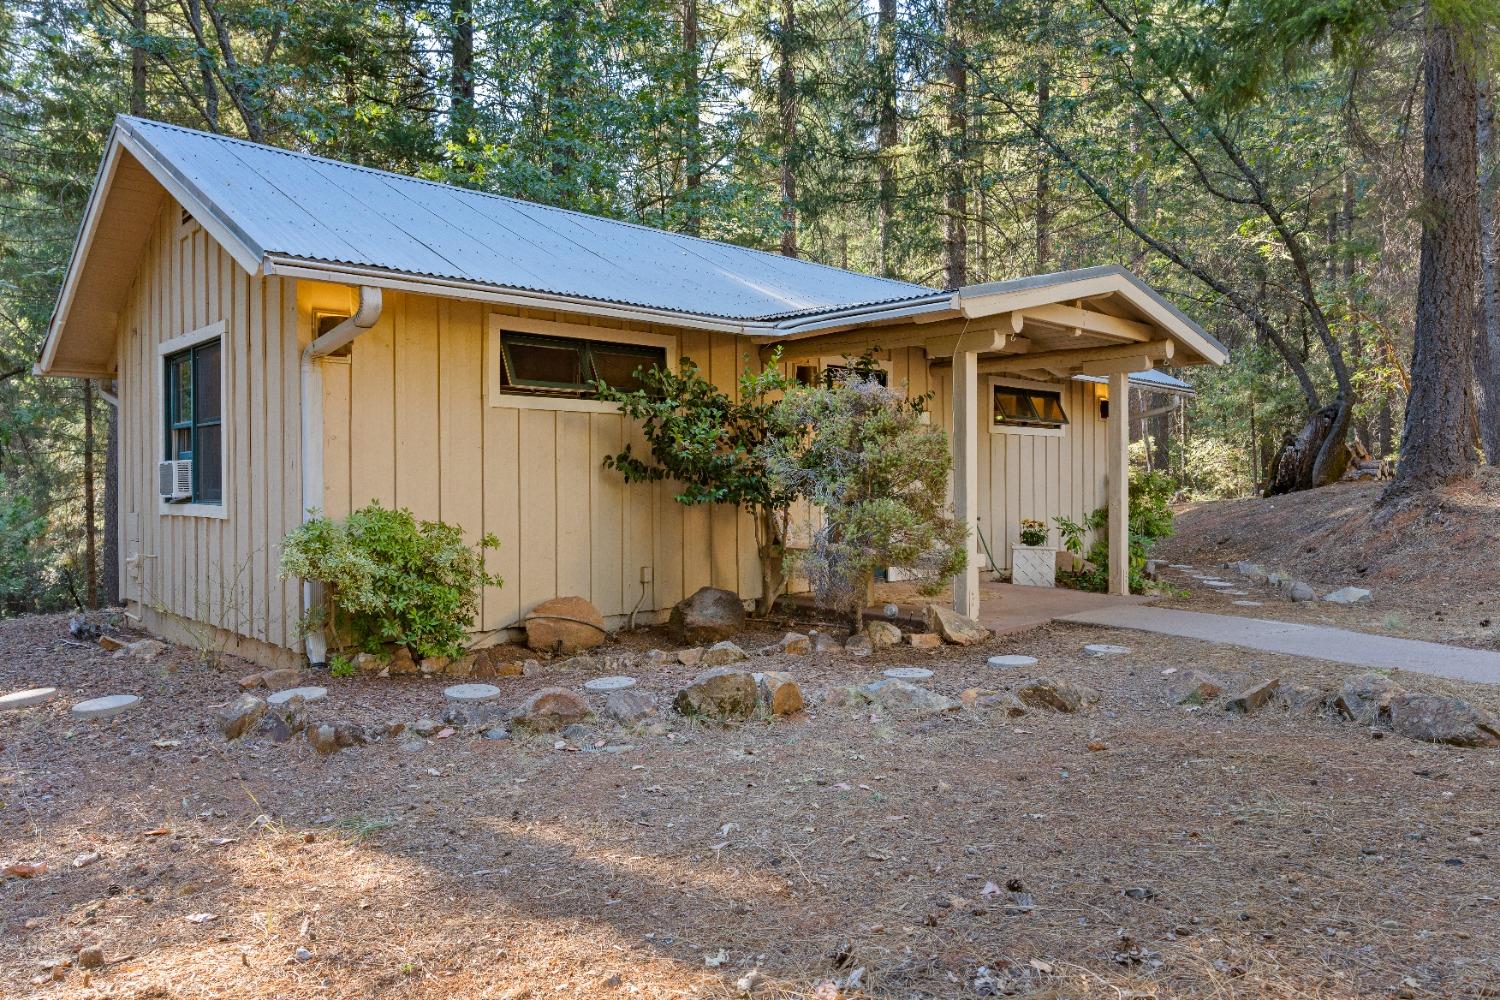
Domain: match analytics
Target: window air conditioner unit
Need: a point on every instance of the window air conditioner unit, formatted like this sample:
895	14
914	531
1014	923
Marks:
176	479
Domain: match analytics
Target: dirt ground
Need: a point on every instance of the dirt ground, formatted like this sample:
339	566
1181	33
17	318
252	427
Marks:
1137	849
1431	563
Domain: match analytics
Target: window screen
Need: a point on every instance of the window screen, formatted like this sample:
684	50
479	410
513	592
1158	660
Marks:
1028	407
194	420
567	366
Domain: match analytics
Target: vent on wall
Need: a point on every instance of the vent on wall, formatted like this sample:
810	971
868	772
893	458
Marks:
175	479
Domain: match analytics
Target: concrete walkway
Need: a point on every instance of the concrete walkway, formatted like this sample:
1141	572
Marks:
1314	641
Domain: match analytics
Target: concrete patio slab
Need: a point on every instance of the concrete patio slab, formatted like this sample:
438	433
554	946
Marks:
1320	642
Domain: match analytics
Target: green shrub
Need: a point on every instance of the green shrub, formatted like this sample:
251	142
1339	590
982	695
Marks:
390	578
1150	522
340	665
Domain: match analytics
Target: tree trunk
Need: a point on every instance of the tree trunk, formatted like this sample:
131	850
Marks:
693	118
1043	162
138	59
461	70
1438	435
786	97
1487	341
770	539
1296	465
955	195
886	136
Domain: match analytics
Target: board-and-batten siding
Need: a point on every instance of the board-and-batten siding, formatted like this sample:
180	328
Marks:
408	421
221	572
1034	475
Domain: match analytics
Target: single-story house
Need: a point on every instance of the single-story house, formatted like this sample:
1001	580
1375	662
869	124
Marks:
287	332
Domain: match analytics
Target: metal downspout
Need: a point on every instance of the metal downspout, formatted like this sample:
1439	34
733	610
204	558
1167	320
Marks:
315	643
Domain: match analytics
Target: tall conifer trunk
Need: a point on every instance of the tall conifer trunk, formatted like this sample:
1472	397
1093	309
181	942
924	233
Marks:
1438	436
955	193
886	135
786	99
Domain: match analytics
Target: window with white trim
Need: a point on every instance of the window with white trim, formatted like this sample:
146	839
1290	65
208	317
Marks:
1028	407
194	418
539	364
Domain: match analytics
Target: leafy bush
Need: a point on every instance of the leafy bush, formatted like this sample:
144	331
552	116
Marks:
1150	522
390	578
860	452
711	446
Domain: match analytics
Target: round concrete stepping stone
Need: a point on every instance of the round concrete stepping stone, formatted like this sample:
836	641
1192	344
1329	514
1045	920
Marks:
617	683
25	699
908	673
1105	649
103	708
1012	660
471	692
1247	604
307	694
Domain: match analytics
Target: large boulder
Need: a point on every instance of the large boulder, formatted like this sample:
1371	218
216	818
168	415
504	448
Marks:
1366	698
628	706
1057	695
710	615
954	627
236	718
564	625
882	633
720	693
779	692
1435	719
550	709
905	698
721	654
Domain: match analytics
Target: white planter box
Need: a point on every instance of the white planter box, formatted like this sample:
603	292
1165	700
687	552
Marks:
1033	565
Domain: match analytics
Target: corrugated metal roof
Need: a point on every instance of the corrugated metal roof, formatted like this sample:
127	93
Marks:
1152	379
291	204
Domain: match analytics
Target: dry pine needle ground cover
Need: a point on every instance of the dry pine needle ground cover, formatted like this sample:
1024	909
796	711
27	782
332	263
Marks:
1152	851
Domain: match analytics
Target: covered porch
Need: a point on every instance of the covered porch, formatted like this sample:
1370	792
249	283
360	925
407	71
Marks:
1101	324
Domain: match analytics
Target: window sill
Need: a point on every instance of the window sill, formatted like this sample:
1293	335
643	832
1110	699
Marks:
216	511
568	404
1029	431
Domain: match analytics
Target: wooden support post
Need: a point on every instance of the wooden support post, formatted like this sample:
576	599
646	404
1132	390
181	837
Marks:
1117	429
966	474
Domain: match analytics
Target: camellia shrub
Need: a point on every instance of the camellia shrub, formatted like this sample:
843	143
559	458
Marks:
390	578
860	452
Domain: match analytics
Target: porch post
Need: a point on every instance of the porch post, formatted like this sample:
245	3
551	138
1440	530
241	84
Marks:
966	474
1117	428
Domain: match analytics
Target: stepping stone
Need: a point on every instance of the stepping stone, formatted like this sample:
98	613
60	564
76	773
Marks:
1178	566
25	699
1234	593
471	692
1105	649
307	694
908	673
1011	660
103	708
1218	584
618	683
1246	604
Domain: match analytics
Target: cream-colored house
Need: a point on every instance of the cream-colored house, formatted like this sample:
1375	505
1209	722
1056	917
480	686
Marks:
287	333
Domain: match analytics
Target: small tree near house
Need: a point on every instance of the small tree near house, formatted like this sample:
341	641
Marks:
712	446
860	451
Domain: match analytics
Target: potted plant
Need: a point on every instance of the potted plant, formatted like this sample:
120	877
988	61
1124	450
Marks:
1033	563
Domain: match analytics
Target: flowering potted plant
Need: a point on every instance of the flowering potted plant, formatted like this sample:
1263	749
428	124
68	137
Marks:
1033	563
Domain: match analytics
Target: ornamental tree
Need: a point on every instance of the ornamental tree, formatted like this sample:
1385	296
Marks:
713	447
860	452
